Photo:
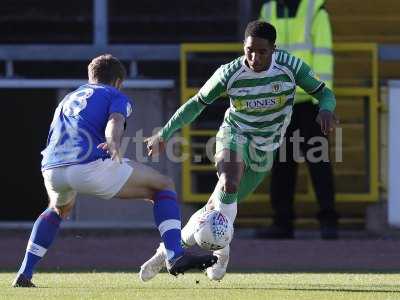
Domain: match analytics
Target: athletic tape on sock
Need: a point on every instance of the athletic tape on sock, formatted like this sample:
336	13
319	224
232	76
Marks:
36	249
168	225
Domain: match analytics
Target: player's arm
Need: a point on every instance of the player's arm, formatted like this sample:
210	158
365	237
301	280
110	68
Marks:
188	112
306	79
113	133
120	109
185	114
327	103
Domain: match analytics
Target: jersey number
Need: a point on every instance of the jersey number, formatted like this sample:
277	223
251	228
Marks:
76	102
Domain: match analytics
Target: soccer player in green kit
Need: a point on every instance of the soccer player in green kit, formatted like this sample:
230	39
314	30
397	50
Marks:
261	86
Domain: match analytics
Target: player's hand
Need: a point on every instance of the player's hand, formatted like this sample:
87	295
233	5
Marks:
155	145
327	120
112	149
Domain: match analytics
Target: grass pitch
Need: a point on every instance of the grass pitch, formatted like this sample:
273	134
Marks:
197	286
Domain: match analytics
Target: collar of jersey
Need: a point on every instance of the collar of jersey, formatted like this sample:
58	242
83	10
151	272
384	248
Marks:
103	85
267	72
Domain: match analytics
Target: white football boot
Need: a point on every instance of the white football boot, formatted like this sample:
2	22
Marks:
218	270
154	265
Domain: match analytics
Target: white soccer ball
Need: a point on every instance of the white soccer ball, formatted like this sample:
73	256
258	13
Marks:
213	230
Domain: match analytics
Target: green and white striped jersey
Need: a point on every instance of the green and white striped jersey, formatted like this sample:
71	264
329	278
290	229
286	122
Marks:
260	102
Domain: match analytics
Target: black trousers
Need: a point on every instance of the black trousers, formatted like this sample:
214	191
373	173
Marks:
284	173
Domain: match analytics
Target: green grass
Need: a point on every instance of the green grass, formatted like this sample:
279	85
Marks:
234	286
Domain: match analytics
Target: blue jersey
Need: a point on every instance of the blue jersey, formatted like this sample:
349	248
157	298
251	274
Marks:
79	125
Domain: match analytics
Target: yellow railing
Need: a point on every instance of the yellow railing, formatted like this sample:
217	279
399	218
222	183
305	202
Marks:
371	92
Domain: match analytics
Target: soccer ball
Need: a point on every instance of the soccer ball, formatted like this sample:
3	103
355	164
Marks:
213	230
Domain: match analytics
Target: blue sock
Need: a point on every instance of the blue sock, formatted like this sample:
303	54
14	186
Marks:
168	220
43	233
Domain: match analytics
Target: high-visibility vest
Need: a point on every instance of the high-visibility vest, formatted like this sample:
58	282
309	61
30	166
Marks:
308	36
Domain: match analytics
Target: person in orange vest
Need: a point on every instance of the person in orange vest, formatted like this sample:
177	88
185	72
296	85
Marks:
303	28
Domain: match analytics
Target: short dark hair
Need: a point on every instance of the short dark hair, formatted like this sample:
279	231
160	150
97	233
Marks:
262	30
106	69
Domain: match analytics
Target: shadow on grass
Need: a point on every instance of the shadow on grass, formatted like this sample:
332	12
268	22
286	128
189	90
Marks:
231	271
309	288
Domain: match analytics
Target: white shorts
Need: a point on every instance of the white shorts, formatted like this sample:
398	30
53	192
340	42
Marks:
101	178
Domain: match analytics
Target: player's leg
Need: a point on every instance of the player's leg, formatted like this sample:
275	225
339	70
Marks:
150	268
46	226
230	173
130	180
251	179
253	176
230	167
143	182
229	178
148	183
252	170
188	231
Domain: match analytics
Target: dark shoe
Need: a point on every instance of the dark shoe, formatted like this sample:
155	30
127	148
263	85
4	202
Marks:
22	281
276	232
189	261
329	232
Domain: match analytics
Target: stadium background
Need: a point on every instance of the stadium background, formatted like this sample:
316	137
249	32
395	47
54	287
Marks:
44	52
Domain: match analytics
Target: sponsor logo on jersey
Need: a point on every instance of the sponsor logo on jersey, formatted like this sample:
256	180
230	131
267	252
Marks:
263	103
260	104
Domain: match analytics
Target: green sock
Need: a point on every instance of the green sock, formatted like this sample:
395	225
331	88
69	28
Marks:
227	198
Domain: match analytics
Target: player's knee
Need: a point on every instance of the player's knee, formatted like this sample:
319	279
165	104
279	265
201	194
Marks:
229	184
61	211
165	183
64	210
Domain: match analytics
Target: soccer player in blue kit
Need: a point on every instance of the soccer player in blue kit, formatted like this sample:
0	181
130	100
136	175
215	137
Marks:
83	156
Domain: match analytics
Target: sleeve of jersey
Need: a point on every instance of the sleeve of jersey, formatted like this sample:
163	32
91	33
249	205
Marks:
307	80
189	111
120	104
326	99
322	63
